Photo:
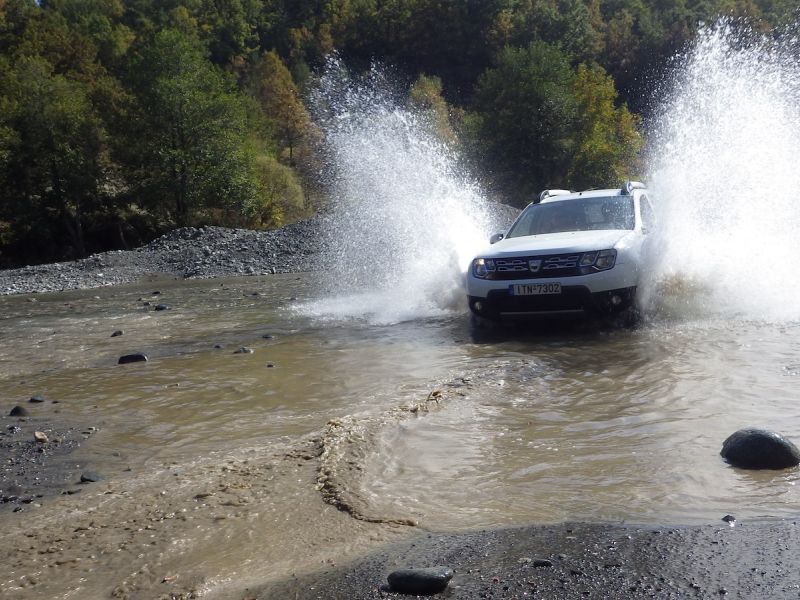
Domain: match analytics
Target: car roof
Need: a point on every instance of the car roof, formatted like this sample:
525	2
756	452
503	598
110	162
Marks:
586	194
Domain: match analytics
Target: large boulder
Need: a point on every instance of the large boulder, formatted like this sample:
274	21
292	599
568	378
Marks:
759	449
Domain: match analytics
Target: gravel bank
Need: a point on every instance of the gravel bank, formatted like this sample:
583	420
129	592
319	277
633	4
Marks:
191	252
750	560
185	253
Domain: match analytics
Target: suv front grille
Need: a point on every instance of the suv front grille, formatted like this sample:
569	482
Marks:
537	267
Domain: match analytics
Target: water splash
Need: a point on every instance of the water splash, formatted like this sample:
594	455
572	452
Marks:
405	218
724	170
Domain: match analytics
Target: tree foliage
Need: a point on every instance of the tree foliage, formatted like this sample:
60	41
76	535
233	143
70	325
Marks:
191	146
139	115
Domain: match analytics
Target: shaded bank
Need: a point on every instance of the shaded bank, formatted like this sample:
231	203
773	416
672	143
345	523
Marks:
750	560
197	252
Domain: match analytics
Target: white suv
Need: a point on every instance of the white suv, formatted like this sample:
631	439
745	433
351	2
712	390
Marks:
570	252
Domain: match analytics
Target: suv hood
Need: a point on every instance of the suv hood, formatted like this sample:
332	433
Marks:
557	243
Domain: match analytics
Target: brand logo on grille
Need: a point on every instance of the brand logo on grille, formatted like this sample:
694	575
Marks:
535	264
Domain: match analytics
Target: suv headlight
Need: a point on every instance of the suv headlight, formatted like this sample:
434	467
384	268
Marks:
592	262
483	268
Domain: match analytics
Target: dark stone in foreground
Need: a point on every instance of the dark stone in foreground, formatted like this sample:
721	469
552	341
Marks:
132	358
759	449
431	580
19	411
90	477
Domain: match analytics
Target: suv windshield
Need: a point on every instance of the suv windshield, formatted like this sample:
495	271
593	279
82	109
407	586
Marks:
582	214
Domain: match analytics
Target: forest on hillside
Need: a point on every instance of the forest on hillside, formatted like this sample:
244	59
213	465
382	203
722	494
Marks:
120	119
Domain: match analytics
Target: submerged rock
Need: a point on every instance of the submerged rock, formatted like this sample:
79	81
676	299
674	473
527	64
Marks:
431	580
162	307
132	358
118	333
759	449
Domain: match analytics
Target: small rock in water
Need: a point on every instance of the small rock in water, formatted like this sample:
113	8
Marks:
759	449
155	293
729	519
36	399
132	358
217	346
90	477
161	307
243	350
19	411
118	333
40	436
431	580
267	336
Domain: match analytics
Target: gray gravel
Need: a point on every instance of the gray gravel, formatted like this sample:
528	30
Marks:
756	559
191	252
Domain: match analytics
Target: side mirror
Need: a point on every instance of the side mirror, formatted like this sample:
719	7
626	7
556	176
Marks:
496	238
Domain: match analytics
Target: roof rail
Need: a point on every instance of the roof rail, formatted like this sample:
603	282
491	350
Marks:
629	186
548	193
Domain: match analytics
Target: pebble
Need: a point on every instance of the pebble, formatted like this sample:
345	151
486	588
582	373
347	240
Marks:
542	562
40	436
90	477
118	333
19	411
132	358
426	581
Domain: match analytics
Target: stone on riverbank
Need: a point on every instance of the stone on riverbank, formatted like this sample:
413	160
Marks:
40	436
90	477
427	581
132	358
19	411
759	449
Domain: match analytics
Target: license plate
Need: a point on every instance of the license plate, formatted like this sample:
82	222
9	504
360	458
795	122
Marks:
535	289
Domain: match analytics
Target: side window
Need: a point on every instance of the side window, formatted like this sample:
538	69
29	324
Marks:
648	218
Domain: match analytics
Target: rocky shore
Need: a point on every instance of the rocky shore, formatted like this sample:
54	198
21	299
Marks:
183	253
569	561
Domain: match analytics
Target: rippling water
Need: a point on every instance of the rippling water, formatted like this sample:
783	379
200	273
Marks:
572	424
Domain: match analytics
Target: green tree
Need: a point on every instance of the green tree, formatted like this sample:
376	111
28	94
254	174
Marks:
281	197
272	85
523	120
54	158
607	137
187	150
426	96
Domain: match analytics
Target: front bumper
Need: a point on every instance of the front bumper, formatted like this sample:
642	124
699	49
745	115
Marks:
573	299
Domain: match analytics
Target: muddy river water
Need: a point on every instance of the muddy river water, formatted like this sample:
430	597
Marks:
216	463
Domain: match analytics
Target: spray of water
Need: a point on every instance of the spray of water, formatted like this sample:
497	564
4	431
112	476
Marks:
724	170
405	220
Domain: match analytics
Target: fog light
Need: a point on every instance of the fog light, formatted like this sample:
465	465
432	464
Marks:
478	306
616	300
